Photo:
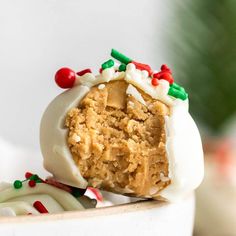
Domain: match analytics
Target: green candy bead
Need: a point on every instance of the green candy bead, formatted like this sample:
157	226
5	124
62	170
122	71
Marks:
122	67
108	64
17	184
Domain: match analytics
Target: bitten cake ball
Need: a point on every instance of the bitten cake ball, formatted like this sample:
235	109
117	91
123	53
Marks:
126	130
117	142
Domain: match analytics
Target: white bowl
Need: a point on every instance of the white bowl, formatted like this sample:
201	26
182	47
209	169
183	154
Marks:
140	218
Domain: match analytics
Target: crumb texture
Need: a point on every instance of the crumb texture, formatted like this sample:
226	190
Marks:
118	143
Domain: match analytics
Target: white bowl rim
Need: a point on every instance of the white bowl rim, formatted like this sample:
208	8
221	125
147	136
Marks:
111	210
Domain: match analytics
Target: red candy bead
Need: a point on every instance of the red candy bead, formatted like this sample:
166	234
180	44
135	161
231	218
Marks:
100	70
32	183
155	82
65	78
28	175
83	72
40	207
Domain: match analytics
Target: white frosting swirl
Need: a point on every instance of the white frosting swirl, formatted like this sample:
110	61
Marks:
20	201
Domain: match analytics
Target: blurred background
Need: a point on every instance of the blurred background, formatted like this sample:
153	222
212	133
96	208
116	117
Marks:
195	38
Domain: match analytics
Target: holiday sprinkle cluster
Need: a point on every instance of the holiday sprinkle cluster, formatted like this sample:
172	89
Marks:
67	78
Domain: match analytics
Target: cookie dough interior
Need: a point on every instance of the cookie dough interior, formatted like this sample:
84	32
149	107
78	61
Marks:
118	143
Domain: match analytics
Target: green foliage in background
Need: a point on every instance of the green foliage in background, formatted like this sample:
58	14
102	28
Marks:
203	48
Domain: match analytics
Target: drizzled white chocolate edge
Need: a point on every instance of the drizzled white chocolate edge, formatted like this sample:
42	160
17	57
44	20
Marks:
20	201
183	146
184	152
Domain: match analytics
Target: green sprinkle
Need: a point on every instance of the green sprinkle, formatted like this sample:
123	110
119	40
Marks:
34	177
78	192
120	57
178	87
175	85
17	184
108	64
177	93
122	67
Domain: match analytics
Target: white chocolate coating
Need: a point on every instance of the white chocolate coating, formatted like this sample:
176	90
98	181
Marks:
184	151
184	148
57	157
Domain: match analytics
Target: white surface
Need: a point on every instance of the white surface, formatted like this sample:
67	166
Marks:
15	161
163	220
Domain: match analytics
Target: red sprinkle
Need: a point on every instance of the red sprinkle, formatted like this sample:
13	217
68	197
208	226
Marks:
164	74
40	207
157	75
32	183
83	72
142	66
155	82
165	68
54	183
96	193
167	76
65	78
100	70
28	175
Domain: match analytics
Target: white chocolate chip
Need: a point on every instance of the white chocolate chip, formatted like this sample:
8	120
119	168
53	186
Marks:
164	178
76	138
135	93
101	86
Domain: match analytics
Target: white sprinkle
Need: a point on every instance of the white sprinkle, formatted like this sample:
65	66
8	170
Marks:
130	67
108	74
144	74
101	86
